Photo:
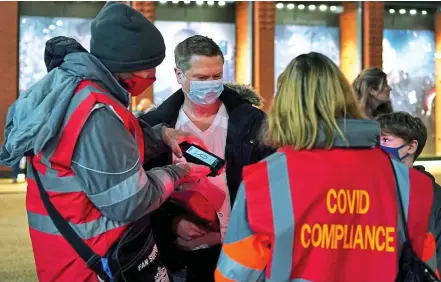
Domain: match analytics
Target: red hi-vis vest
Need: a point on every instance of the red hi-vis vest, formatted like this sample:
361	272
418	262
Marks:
325	215
54	257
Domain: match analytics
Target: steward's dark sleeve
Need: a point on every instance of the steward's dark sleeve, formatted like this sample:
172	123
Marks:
153	144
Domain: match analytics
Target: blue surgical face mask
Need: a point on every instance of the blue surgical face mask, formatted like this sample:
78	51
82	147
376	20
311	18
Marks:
205	92
394	151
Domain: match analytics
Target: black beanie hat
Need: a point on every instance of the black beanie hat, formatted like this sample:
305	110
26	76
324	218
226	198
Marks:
124	40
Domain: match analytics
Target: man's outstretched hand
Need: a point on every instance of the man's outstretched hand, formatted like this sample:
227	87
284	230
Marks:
173	137
186	229
210	239
193	172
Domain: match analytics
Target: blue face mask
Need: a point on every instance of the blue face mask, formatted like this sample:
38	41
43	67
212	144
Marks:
394	152
205	92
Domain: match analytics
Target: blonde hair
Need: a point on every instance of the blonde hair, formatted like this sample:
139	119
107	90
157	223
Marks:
313	94
279	79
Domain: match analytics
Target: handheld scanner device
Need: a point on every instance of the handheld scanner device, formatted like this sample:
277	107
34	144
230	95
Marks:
195	154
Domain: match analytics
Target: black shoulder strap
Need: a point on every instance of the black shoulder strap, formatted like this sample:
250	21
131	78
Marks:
92	260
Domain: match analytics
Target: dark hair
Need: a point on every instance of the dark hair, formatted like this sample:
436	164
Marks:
406	127
195	45
373	78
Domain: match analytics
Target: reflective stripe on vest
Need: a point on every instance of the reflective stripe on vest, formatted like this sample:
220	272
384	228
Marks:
81	93
283	219
242	236
62	157
225	263
273	186
88	230
59	180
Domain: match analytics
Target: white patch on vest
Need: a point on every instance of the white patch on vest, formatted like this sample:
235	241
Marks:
97	106
161	275
101	105
113	110
150	258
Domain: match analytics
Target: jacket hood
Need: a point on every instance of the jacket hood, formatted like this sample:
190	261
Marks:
39	112
57	48
86	66
359	133
246	93
70	56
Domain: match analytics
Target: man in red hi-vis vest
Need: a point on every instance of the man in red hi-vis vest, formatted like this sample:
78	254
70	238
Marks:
89	148
330	205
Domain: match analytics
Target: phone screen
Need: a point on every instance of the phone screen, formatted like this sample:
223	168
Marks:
201	155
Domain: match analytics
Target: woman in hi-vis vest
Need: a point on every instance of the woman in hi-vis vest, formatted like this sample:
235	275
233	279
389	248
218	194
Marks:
324	206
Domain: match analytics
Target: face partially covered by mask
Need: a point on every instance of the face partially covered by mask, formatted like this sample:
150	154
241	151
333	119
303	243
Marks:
136	85
202	83
138	82
395	152
397	147
205	92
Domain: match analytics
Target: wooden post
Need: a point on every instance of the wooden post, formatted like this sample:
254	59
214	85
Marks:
243	42
147	8
349	52
373	26
8	61
264	26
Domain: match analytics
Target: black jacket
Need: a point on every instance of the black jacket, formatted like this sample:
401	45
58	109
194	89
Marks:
243	147
436	211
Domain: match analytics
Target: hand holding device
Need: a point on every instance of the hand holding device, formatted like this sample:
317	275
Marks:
197	155
173	137
193	172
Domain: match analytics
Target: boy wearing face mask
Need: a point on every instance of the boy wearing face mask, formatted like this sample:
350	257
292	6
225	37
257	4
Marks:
228	124
403	137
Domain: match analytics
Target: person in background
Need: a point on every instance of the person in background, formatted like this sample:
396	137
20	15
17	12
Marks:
329	188
87	147
373	92
226	121
163	87
404	136
15	172
143	107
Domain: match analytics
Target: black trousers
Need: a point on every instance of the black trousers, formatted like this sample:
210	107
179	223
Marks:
201	264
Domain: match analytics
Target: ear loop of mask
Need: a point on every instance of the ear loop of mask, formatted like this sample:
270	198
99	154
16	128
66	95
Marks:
184	76
407	154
